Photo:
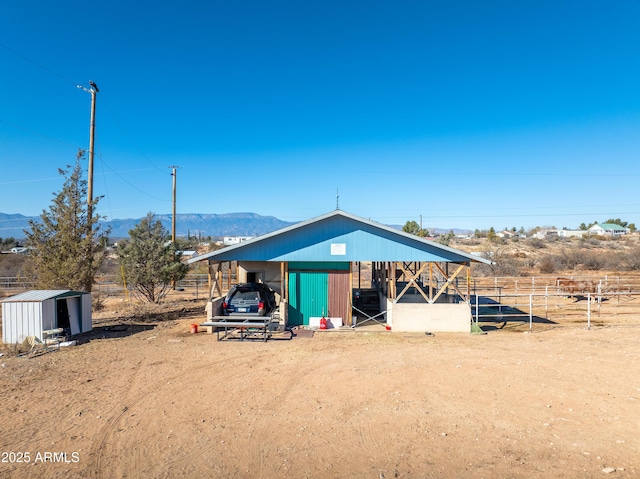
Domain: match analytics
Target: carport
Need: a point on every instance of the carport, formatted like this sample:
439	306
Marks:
422	285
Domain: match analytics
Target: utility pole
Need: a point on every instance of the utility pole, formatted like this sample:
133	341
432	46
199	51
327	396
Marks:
173	211
92	130
173	218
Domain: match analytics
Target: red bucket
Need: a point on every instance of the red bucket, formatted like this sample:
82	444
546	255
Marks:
194	328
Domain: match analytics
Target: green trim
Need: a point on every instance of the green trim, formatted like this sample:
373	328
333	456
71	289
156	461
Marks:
319	266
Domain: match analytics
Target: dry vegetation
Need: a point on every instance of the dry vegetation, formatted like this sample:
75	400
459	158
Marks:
142	397
531	256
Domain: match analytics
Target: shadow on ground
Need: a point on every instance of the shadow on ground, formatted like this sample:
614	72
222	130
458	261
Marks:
113	331
493	316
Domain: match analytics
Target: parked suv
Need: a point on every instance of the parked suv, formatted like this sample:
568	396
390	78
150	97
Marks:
249	299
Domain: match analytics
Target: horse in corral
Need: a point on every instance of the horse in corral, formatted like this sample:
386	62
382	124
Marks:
577	288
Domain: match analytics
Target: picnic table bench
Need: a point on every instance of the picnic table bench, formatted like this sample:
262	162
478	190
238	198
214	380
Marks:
245	326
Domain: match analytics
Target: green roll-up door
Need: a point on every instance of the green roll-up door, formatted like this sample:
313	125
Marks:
308	296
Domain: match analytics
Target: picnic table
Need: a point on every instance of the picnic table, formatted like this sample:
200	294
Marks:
244	326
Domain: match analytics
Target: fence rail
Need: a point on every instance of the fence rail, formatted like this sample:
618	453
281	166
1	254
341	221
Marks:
542	310
193	285
517	303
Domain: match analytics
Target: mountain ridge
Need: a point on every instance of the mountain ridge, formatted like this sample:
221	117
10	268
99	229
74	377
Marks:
193	224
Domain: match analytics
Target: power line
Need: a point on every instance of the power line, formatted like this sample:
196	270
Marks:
131	184
129	136
62	77
63	142
39	65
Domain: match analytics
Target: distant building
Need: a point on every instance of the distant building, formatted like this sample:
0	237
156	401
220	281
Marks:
188	254
608	229
572	233
546	234
508	234
232	240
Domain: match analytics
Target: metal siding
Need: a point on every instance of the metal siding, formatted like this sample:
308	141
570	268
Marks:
4	327
294	316
314	294
20	320
75	314
364	241
339	296
49	314
87	321
308	296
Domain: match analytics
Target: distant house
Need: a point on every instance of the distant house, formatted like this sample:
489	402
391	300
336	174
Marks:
608	229
188	254
546	234
233	240
572	233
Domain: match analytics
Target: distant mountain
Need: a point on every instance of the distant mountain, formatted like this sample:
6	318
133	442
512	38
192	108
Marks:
229	224
13	225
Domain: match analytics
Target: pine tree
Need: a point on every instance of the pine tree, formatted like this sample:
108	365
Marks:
65	251
149	260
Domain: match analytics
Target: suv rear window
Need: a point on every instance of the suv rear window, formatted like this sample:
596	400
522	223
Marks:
246	295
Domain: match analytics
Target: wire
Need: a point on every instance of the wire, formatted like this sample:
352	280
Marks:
129	136
38	133
104	179
131	184
39	65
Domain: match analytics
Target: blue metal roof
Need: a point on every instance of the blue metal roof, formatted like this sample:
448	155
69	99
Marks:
339	236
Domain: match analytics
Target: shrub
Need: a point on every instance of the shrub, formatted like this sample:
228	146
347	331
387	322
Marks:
569	259
548	264
537	243
631	260
504	264
594	261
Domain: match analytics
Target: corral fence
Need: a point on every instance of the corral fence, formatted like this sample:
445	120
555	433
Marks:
549	301
517	303
193	286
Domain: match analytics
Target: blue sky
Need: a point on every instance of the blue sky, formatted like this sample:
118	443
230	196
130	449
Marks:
471	114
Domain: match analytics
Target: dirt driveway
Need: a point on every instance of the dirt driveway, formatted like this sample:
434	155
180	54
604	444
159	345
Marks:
164	403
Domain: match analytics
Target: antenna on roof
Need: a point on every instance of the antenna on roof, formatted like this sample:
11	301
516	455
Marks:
337	199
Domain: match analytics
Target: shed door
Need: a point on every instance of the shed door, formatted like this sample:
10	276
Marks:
308	296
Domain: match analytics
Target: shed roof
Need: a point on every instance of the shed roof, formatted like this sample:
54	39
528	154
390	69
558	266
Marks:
38	295
339	236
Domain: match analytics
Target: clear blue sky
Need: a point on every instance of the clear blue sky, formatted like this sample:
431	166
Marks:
470	113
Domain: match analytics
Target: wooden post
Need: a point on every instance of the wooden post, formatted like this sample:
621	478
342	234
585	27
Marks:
469	282
431	283
281	280
209	281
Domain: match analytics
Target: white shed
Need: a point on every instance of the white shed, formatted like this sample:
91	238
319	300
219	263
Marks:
30	313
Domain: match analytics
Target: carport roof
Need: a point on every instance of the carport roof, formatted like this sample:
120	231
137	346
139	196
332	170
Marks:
339	236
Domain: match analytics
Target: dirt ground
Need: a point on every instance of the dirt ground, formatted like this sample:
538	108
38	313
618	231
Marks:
142	399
